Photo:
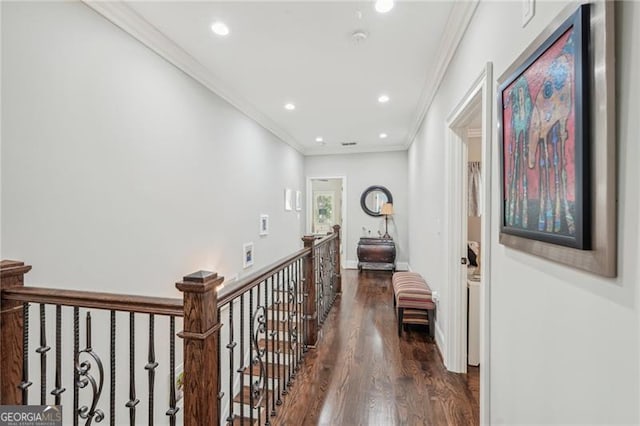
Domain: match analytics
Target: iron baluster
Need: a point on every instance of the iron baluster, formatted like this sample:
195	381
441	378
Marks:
42	350
231	346
269	339
133	401
151	365
85	378
112	382
251	357
76	350
173	410
241	367
24	385
58	389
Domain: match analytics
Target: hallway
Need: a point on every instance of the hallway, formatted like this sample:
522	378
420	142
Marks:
362	374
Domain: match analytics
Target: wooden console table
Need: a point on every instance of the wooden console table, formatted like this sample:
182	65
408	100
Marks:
377	254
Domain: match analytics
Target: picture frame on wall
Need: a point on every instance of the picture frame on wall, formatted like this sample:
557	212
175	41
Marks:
544	139
264	224
593	178
298	200
287	200
247	255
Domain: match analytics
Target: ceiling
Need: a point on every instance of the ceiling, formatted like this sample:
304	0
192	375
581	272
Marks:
305	53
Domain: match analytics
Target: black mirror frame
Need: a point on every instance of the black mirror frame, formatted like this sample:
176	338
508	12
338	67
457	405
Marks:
364	197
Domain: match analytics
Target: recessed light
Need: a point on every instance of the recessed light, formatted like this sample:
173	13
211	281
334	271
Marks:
220	28
383	135
383	99
383	6
319	139
289	106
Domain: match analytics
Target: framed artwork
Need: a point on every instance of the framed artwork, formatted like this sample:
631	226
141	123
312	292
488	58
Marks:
298	200
558	146
264	224
544	144
247	255
287	200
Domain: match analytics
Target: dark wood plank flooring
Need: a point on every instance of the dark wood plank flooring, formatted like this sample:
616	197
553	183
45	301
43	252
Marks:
362	373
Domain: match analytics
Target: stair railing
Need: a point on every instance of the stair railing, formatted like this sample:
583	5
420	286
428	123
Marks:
242	343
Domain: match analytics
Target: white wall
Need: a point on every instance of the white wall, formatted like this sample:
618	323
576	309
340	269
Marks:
119	171
362	171
564	345
122	174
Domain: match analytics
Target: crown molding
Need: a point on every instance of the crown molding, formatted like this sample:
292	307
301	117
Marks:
129	21
457	23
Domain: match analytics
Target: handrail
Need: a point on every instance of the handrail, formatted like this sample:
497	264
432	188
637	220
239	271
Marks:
96	300
227	294
326	239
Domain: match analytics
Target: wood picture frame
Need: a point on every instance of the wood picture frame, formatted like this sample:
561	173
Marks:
598	257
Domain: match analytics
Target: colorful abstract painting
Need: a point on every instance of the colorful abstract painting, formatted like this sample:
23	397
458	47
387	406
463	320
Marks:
544	144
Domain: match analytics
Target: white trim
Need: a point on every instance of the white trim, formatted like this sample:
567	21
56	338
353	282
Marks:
343	201
457	23
357	149
129	21
478	98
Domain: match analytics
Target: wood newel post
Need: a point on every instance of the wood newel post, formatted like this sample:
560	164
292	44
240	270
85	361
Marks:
11	326
201	334
338	267
309	270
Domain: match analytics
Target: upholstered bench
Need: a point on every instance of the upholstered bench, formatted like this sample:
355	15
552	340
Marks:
413	302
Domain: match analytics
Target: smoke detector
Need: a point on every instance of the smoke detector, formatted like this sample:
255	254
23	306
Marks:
359	36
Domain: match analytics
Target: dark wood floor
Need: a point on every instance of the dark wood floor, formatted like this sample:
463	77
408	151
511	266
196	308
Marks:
362	373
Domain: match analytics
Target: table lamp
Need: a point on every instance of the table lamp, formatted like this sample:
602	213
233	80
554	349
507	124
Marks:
387	210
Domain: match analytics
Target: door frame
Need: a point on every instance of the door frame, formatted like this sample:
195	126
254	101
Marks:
343	200
478	98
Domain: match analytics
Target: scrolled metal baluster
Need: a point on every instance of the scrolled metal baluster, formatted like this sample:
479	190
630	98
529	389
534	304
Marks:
269	355
173	410
258	386
151	365
25	383
57	392
251	402
276	368
85	378
42	350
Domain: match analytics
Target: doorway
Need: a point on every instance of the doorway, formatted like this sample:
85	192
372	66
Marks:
326	206
469	132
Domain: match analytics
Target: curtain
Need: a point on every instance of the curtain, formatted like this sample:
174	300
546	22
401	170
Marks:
475	180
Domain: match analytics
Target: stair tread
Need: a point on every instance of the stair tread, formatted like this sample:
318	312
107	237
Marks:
255	369
286	307
246	394
281	345
244	421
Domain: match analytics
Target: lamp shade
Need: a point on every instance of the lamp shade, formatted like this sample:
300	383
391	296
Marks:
387	209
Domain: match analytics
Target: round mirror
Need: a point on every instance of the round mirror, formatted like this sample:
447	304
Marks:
373	198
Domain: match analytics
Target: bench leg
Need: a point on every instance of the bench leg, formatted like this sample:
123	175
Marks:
432	324
400	315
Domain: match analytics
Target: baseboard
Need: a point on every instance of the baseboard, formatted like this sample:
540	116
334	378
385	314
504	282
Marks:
351	264
440	341
400	266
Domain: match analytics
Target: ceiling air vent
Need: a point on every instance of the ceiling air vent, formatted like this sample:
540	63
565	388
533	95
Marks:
349	143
